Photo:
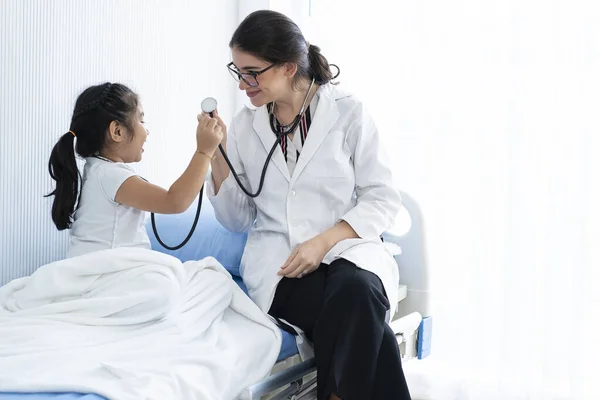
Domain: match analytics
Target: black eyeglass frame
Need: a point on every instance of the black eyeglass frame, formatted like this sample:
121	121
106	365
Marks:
249	77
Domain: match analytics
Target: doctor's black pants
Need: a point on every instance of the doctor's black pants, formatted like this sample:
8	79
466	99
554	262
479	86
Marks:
342	309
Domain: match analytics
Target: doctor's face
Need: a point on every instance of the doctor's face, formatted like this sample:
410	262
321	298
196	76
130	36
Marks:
270	83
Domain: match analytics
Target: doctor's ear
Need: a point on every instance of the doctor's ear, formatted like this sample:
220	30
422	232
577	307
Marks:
290	69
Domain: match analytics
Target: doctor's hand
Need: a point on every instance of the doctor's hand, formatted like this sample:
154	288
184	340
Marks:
305	258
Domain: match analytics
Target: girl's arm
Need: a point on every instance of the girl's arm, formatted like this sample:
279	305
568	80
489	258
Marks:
136	192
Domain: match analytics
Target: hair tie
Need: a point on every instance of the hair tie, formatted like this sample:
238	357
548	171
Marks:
73	133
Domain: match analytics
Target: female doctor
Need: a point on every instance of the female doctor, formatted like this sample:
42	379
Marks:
314	257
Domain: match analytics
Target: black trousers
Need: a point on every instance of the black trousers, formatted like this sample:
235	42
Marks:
342	309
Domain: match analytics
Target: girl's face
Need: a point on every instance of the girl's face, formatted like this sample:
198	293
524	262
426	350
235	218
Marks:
140	134
129	143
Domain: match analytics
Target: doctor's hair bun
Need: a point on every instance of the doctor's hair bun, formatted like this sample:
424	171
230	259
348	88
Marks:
275	38
319	66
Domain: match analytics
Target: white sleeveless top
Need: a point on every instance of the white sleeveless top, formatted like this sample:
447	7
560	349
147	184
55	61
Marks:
100	222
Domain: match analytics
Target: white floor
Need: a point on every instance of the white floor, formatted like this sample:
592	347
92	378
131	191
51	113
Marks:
427	380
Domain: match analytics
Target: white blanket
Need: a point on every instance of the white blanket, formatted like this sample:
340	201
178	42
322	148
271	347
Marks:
133	324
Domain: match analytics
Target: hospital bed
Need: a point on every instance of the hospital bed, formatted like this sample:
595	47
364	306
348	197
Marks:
292	377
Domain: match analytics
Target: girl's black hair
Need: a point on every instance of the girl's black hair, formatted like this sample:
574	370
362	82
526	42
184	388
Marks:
95	108
273	37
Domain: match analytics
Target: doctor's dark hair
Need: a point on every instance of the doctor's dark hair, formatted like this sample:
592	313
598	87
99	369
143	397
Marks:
273	37
95	108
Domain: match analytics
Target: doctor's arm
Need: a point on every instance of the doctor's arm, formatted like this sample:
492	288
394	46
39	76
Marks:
233	209
378	200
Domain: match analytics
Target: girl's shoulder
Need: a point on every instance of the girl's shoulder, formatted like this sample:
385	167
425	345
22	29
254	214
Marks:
97	164
109	175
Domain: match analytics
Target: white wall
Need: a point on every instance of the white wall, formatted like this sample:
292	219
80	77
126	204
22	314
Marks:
173	53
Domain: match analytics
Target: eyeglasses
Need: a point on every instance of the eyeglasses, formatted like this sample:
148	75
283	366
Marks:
248	77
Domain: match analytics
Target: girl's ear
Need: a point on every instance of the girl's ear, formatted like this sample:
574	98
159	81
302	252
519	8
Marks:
116	132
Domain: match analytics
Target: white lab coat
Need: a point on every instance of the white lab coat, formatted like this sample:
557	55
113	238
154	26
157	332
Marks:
341	174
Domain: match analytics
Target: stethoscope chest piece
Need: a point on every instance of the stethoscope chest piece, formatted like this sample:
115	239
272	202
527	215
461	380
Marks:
209	105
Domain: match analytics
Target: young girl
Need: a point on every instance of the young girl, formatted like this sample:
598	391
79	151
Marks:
108	210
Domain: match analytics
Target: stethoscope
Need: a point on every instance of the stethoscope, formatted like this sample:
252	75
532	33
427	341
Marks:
209	105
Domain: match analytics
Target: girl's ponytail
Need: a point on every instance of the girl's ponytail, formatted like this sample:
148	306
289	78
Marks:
63	169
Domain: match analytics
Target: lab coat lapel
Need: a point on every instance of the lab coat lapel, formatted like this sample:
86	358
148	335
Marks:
323	120
262	128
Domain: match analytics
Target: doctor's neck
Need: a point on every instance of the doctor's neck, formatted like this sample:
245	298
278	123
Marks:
291	102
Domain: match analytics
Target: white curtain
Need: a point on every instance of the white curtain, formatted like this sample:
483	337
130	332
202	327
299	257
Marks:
490	109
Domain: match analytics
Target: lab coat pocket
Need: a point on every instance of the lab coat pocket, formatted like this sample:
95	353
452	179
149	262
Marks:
332	159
